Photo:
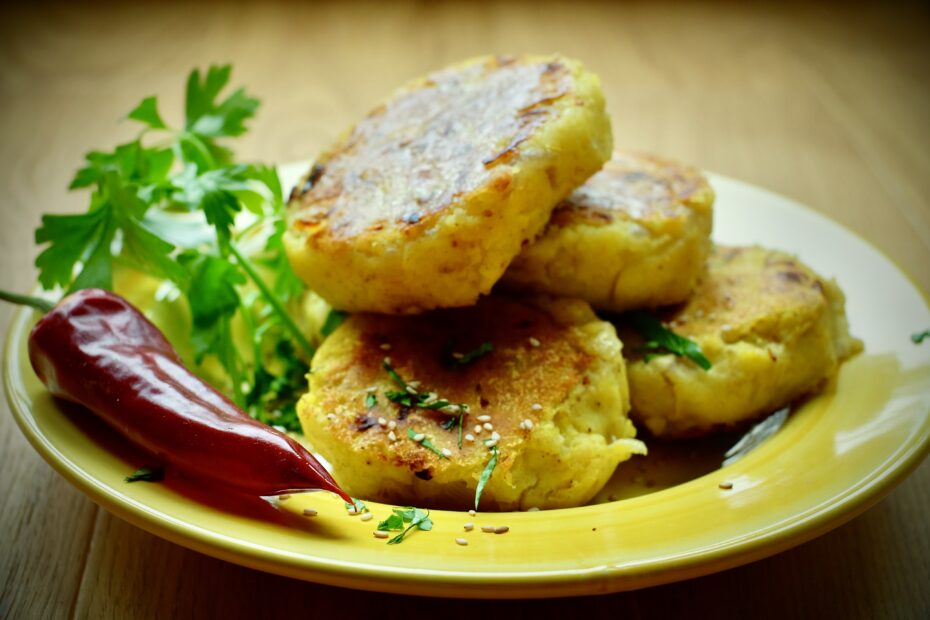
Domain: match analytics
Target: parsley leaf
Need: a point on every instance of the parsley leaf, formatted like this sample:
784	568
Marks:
426	443
660	339
370	400
357	505
116	212
213	300
406	519
920	336
147	112
207	118
486	475
146	474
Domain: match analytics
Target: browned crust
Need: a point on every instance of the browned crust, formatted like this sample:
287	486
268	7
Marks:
441	137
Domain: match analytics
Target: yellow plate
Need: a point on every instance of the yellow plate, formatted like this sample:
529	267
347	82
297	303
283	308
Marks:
835	457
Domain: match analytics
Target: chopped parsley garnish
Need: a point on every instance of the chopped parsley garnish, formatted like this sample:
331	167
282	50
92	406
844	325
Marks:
147	474
358	506
411	398
333	320
920	336
457	360
370	400
429	445
406	519
486	475
661	340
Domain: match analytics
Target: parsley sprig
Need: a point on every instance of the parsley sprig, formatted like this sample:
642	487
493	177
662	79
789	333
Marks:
661	340
166	204
406	519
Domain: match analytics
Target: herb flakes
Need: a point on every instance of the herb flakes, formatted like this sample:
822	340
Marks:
147	474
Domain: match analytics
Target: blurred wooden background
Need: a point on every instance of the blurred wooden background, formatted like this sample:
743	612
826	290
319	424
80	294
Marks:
829	105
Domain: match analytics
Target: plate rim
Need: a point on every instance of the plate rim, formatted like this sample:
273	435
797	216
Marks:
820	519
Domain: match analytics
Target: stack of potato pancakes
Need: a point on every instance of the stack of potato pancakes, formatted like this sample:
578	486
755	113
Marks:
468	224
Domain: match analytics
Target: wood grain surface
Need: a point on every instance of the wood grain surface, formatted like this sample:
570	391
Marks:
829	105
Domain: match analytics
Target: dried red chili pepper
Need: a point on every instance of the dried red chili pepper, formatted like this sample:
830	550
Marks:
96	349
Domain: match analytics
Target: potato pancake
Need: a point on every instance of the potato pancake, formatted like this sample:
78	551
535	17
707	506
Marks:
636	235
773	330
542	383
426	201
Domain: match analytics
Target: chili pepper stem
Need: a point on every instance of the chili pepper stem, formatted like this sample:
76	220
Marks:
38	303
272	299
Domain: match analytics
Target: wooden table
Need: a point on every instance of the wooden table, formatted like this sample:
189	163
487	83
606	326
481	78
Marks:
828	105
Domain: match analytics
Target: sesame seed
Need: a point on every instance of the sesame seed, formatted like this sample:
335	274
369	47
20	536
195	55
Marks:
468	526
283	498
414	384
726	485
330	416
490	443
387	361
495	436
352	511
534	342
536	407
469	437
477	429
367	516
392	436
527	424
465	408
472	512
371	388
501	529
382	422
381	534
392	425
419	437
385	347
458	355
487	528
446	452
461	541
410	389
483	418
533	509
452	408
488	426
310	512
